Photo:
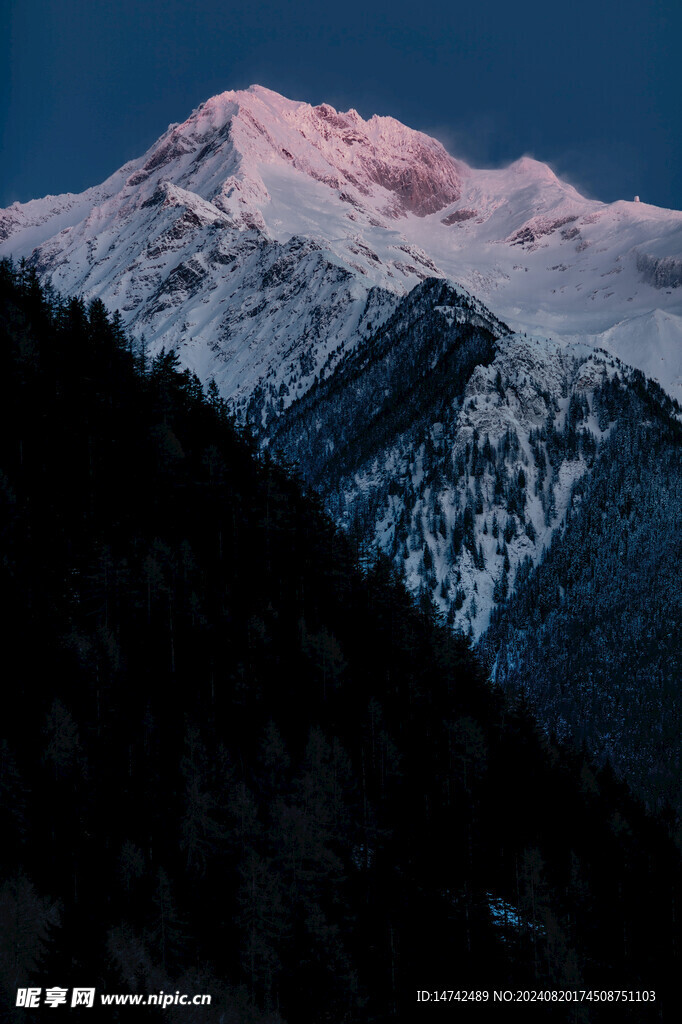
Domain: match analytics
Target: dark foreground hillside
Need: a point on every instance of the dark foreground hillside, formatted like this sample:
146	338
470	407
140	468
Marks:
234	763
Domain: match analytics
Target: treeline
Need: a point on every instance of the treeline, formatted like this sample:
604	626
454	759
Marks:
234	762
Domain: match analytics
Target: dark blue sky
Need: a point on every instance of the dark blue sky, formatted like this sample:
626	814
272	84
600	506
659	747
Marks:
592	87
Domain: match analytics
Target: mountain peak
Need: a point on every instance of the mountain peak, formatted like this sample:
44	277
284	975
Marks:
380	163
528	165
251	175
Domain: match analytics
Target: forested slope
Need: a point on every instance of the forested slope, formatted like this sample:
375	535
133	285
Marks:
606	601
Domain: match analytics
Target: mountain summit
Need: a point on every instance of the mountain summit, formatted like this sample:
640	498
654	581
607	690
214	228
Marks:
263	231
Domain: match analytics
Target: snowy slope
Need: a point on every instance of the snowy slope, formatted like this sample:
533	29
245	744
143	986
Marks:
661	358
253	235
452	445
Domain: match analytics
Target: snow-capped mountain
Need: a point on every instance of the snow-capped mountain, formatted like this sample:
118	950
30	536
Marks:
442	349
278	247
261	236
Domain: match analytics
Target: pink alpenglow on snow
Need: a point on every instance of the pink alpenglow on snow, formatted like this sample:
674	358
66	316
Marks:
263	230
